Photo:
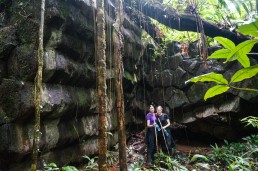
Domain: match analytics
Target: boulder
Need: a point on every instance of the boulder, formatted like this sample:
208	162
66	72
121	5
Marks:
167	78
191	65
173	48
70	154
17	139
168	62
58	68
3	70
185	118
8	41
17	101
175	98
22	65
196	92
249	95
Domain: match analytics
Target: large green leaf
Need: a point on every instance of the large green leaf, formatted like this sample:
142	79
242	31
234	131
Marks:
215	90
241	49
249	29
69	168
210	77
244	60
199	156
244	73
130	77
222	53
225	42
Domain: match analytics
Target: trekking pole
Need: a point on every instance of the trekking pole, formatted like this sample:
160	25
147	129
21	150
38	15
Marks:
164	136
156	138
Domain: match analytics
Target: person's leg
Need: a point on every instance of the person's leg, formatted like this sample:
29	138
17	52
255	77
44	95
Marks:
170	143
162	142
153	153
151	147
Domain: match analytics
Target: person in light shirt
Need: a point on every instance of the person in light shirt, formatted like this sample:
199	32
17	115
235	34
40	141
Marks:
165	139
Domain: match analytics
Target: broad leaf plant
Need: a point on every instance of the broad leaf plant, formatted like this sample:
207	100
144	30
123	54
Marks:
231	52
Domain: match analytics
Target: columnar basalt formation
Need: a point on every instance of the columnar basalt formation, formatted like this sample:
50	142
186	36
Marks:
69	103
164	79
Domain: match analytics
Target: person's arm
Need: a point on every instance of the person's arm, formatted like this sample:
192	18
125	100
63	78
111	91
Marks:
149	125
168	122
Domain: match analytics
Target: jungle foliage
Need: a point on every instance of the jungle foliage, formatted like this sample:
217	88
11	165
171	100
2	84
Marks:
229	156
225	13
231	52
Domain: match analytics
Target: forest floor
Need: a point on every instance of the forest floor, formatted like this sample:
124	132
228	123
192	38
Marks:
184	148
195	153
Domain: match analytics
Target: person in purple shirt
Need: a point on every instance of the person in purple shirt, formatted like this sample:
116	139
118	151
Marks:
151	135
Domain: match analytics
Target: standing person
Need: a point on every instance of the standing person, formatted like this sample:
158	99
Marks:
164	133
151	135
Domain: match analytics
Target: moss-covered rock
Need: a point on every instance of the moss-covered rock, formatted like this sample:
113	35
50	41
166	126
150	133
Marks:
15	100
8	41
22	65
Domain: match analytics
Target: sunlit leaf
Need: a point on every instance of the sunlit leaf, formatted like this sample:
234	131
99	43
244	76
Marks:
222	53
52	165
215	90
249	29
241	49
69	168
231	168
130	77
244	73
244	60
203	165
223	4
109	133
245	7
251	5
236	6
198	156
225	42
210	77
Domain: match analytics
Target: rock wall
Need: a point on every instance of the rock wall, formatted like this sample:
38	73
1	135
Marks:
163	80
69	101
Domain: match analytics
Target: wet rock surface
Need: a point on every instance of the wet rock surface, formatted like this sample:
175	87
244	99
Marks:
69	102
69	111
164	80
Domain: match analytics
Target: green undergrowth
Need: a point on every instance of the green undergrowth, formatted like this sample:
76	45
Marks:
242	156
231	156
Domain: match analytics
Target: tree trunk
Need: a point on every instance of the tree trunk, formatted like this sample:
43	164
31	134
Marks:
38	90
118	65
101	82
170	18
